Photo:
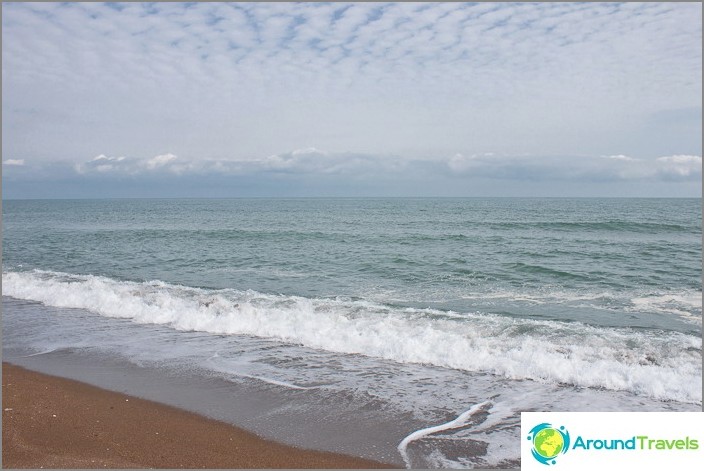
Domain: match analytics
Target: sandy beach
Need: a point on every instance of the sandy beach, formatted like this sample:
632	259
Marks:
53	422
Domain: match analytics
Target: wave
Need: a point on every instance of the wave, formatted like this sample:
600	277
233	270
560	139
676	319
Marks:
600	226
657	364
542	270
686	304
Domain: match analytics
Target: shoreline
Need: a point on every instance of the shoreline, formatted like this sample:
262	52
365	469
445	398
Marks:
54	422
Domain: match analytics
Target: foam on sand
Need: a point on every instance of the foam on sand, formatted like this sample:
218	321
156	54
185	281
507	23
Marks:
461	421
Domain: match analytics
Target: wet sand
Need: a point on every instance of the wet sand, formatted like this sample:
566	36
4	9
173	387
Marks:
54	422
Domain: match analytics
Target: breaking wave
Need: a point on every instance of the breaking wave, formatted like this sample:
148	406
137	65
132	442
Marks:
653	363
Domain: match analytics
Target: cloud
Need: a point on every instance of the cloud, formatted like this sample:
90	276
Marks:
159	161
310	171
559	92
101	164
576	168
308	150
305	161
394	78
621	157
13	162
313	162
680	166
103	157
123	165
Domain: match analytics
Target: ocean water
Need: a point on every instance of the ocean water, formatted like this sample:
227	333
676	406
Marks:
444	318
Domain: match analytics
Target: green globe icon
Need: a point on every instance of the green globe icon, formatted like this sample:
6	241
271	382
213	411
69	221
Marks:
548	443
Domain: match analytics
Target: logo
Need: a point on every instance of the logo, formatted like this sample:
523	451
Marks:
548	442
611	440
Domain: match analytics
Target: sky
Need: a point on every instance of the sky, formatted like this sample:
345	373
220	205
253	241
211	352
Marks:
351	99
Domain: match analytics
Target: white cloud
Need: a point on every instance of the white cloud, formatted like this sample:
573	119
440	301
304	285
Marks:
308	150
385	88
612	167
460	163
128	166
621	157
300	161
102	164
680	166
313	161
159	161
106	158
14	162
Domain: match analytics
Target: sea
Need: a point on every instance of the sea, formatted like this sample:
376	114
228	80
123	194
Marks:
413	331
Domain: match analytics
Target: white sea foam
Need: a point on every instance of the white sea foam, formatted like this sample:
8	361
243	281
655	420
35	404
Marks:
275	382
496	428
687	305
43	352
687	302
540	298
656	364
461	421
232	368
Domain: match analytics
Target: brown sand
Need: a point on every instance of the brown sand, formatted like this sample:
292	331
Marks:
54	422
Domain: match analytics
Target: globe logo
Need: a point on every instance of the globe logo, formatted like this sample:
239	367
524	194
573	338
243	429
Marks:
548	442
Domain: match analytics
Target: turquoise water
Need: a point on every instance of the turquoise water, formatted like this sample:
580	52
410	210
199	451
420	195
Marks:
447	254
609	290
